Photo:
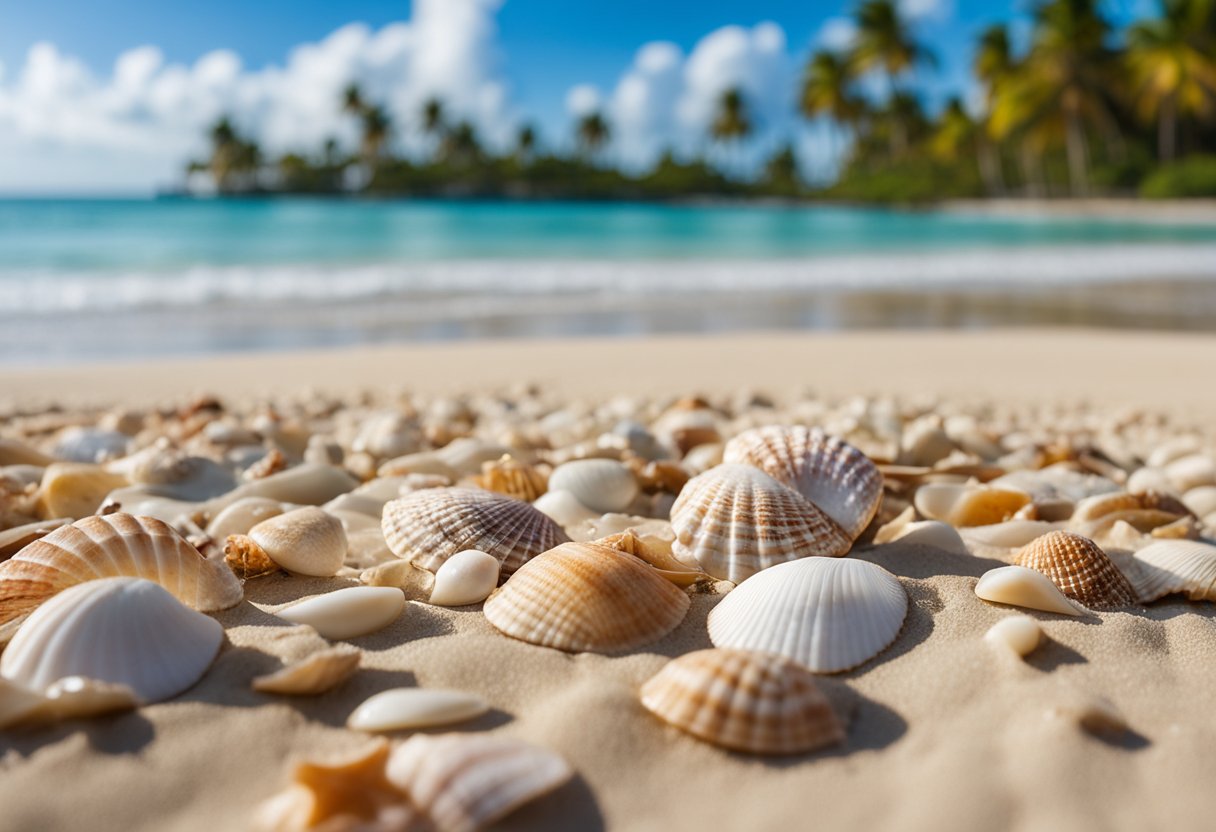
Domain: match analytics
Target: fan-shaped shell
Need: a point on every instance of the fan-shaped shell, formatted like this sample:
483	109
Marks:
1080	568
828	614
427	527
759	703
602	485
1176	566
125	631
735	520
585	597
831	473
465	782
109	546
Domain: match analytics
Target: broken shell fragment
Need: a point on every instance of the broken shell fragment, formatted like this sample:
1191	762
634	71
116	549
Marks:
1018	586
348	613
402	708
466	577
73	697
314	675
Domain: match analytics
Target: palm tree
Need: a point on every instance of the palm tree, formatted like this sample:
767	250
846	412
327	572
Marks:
1173	67
434	120
460	145
376	128
525	142
231	156
885	43
731	126
593	132
992	65
954	133
827	90
352	100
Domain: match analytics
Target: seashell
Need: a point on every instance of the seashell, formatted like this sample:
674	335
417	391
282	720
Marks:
1184	528
828	614
77	444
466	577
348	613
467	455
13	452
1171	449
924	533
1190	472
1012	534
1097	507
124	631
466	782
306	541
113	545
1019	633
414	582
428	527
322	671
305	484
758	703
703	457
243	515
18	537
1050	510
401	708
735	520
1060	481
515	479
1080	568
171	473
73	697
584	597
423	462
602	485
1201	500
839	479
564	509
685	429
1175	566
925	443
387	434
968	505
272	462
323	451
75	489
1018	586
1149	479
658	476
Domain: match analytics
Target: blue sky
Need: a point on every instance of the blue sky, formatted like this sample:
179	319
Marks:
528	55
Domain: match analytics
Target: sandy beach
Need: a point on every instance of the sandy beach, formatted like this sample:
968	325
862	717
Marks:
944	731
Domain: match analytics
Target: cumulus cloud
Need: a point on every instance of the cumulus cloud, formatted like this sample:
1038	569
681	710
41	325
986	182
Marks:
836	34
134	127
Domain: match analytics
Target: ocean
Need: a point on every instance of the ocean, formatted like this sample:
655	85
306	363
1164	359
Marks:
84	280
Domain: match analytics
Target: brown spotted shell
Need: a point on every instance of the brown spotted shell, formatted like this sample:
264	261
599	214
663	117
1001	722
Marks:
587	597
831	473
1080	568
759	703
429	526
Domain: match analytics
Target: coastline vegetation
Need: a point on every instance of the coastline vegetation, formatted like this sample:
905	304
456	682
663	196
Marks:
1082	110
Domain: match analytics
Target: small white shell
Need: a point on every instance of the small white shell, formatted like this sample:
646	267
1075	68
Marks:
314	674
563	508
1019	586
1190	472
307	541
931	533
1020	633
241	516
401	708
602	485
347	613
73	697
829	614
125	631
466	577
1201	500
1175	566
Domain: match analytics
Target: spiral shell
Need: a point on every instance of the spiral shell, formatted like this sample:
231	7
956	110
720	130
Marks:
1080	569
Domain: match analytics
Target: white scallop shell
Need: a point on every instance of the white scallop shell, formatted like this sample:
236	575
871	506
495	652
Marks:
348	613
466	577
465	782
1175	566
125	631
1019	586
1019	633
306	541
402	708
602	485
829	614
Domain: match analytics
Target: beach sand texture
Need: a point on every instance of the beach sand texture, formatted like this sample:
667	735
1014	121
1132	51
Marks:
945	732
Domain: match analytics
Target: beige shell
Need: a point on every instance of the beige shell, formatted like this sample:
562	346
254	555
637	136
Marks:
828	614
313	675
109	546
466	782
602	485
1018	586
73	697
466	577
760	703
1019	633
839	479
399	709
932	533
585	597
428	527
1080	568
735	520
515	479
347	613
306	541
1175	566
75	489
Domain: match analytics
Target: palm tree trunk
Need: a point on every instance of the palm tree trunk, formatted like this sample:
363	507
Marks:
1167	128
990	168
1078	156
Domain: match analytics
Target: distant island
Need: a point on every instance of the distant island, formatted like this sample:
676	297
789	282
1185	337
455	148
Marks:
1083	110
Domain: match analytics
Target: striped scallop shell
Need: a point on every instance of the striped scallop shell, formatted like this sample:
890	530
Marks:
735	520
429	526
1175	566
828	614
1080	568
110	546
831	473
586	597
759	703
466	782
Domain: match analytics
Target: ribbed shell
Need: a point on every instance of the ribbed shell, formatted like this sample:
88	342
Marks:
1176	566
735	520
1080	568
585	597
759	703
515	479
427	527
827	614
126	631
109	546
465	782
831	473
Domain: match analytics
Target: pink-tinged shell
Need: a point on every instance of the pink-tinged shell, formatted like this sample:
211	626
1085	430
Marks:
429	526
1175	566
1080	568
735	520
759	703
113	545
586	597
831	473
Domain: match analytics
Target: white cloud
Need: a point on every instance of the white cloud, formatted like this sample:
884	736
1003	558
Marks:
134	128
926	10
583	100
836	34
